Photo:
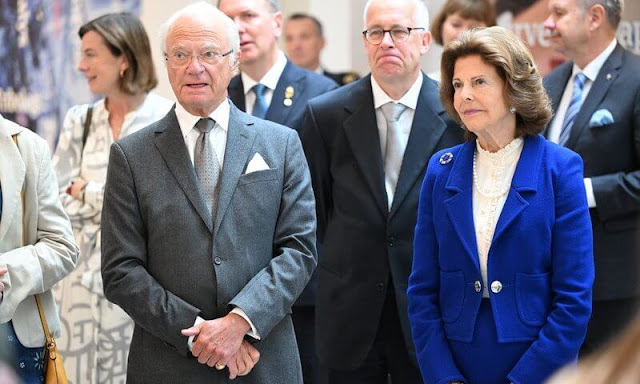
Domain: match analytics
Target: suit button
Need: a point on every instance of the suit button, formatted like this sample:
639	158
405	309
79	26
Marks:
391	241
217	260
496	286
380	287
478	286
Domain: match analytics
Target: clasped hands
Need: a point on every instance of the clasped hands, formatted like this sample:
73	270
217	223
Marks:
220	343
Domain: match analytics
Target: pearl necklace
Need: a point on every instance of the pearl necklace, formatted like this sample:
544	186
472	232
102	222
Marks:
488	194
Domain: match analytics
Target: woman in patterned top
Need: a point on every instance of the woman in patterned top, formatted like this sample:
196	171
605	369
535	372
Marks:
116	60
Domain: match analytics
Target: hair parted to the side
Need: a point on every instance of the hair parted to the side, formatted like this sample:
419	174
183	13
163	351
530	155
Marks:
503	50
480	10
124	34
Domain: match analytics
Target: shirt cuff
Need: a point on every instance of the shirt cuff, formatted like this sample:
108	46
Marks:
253	332
591	198
190	341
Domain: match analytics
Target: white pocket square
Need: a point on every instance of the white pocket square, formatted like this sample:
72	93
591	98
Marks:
257	163
600	117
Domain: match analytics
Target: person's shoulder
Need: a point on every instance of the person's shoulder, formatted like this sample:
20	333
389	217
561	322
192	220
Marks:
557	153
443	160
341	96
342	78
319	82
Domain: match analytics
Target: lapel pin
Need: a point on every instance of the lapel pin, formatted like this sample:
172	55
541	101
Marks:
288	95
609	76
446	158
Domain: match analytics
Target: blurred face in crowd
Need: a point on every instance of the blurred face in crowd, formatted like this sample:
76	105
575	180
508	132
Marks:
199	86
455	24
100	67
392	61
258	25
479	99
568	27
303	42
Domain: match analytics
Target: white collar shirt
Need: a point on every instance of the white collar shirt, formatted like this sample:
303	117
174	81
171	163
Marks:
269	80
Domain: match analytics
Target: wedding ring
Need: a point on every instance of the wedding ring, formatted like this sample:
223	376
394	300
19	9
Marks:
220	366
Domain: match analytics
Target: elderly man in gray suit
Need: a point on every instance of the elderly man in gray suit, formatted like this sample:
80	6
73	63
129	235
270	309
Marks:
208	224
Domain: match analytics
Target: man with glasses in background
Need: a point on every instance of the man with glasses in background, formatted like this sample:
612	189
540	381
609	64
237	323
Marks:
368	144
271	87
208	224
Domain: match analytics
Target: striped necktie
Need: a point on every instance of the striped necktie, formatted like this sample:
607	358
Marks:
574	107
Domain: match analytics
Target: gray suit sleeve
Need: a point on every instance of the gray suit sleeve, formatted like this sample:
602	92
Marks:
267	298
127	282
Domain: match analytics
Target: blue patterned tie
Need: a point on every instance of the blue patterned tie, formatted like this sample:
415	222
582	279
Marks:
574	108
260	106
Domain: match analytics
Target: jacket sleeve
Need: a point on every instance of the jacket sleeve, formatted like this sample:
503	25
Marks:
434	356
560	338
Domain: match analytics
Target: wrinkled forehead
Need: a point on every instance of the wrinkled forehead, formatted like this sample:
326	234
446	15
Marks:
191	33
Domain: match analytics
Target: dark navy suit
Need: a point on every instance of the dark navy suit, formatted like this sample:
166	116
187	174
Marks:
611	156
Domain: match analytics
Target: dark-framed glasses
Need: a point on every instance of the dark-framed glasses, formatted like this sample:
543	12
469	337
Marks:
398	34
180	59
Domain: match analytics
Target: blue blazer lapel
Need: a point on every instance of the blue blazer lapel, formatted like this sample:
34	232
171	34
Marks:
555	86
361	129
607	75
170	144
292	76
426	131
236	92
240	138
524	182
460	204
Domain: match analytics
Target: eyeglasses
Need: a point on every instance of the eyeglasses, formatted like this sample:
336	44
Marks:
375	35
180	59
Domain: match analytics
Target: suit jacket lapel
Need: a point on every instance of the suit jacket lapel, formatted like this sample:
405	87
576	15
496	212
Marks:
292	76
240	138
555	89
426	130
525	180
236	92
607	75
361	129
170	144
11	178
460	204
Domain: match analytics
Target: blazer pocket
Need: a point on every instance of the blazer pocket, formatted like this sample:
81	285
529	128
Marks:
451	295
533	297
258	176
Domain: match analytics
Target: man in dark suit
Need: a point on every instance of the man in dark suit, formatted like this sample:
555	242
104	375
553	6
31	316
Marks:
208	224
304	40
286	89
596	100
366	168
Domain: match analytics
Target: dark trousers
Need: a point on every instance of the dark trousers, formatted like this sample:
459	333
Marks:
304	324
608	319
388	360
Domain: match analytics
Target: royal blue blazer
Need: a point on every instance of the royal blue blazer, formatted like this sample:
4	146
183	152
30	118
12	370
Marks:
542	254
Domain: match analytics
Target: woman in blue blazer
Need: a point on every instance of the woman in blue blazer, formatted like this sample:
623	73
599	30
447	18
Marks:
500	290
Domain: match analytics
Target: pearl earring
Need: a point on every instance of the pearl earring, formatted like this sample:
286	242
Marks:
512	109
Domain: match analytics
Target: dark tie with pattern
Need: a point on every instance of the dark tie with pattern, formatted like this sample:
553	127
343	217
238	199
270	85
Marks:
574	108
260	105
207	165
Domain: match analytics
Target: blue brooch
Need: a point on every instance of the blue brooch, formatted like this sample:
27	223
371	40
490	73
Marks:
446	158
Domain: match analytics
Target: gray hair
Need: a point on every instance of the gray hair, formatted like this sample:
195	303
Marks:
214	15
273	4
612	8
420	16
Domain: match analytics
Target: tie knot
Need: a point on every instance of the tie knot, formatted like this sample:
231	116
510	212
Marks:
259	89
205	125
392	111
580	80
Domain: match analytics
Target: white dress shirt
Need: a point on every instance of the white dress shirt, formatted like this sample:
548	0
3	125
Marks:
218	140
410	100
493	173
590	71
269	80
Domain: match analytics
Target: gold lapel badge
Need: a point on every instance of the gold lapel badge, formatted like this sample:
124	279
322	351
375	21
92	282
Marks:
609	76
288	95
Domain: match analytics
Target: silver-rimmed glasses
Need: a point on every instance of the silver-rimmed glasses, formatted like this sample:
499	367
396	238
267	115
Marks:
180	59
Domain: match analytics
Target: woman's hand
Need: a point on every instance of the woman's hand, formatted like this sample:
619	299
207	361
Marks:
76	188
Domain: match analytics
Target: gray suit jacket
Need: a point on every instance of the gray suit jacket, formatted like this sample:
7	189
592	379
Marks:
165	263
50	252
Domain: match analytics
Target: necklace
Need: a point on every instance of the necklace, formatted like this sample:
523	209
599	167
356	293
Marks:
489	194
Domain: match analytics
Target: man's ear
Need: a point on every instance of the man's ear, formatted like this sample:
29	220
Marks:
426	43
597	16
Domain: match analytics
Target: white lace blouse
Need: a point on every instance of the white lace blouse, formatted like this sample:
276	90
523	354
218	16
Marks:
492	175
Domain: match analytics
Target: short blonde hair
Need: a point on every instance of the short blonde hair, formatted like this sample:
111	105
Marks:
124	34
503	50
